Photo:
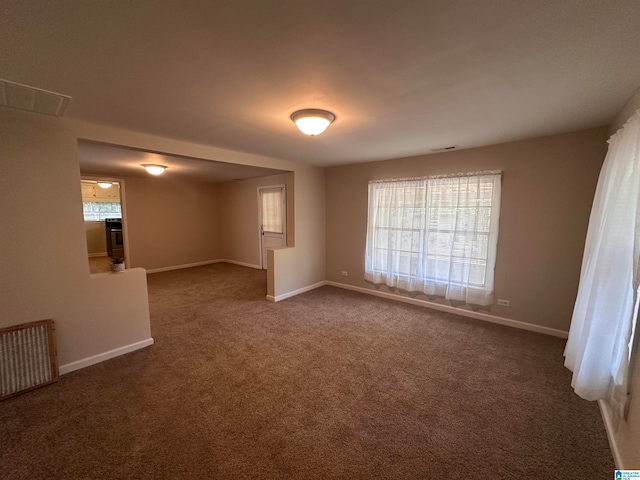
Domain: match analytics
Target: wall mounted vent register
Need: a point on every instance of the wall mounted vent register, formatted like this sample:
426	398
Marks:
28	357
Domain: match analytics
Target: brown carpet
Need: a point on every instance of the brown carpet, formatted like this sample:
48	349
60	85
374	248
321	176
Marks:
99	264
328	384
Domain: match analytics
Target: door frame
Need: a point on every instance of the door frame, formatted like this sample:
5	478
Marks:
283	186
123	207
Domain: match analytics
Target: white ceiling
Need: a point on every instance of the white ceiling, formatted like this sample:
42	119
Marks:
97	159
402	77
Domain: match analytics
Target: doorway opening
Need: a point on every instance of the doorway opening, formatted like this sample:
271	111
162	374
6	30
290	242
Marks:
104	220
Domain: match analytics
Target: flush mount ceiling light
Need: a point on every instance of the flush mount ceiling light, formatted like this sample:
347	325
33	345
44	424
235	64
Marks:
105	184
154	169
312	121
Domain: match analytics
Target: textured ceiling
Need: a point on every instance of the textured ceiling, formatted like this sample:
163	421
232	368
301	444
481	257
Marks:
97	159
402	77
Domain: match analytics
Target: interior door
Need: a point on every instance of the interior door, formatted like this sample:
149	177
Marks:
273	219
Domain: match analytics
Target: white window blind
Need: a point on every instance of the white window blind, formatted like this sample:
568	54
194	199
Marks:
436	236
272	210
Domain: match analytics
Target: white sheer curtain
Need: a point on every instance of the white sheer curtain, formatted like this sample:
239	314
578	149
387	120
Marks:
599	346
435	235
272	209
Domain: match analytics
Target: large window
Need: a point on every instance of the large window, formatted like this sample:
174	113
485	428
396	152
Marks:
435	235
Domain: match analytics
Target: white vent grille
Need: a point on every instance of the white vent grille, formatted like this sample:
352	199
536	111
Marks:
32	99
27	357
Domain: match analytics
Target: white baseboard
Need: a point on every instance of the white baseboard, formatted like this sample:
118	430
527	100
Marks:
199	264
277	298
458	311
101	254
186	265
608	426
101	357
425	303
243	264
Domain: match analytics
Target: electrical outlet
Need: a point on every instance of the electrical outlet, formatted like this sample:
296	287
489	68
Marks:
343	273
503	303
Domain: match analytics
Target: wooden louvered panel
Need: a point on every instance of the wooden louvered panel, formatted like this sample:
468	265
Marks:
28	357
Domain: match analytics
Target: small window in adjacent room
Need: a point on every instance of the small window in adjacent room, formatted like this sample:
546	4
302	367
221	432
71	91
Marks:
273	207
435	235
98	211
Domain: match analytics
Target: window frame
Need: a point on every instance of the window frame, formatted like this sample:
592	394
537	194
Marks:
407	266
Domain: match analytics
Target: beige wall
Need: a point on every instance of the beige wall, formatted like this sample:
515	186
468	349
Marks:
44	271
238	217
547	189
171	222
305	265
96	237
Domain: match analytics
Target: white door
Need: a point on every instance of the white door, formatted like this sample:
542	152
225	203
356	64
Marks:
272	214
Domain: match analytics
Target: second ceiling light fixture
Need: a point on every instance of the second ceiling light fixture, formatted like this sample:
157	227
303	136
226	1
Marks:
154	169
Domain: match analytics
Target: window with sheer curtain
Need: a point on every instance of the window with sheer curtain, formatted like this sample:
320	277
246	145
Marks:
98	211
601	338
435	235
272	209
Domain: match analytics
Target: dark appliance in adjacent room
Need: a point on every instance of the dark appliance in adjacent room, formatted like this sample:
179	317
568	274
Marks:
115	237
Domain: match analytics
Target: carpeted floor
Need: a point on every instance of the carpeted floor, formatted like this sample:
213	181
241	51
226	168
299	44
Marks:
328	384
99	264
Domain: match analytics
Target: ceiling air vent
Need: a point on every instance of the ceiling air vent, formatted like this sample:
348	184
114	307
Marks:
444	149
31	99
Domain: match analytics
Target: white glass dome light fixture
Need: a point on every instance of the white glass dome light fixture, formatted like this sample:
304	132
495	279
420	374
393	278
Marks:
154	169
312	121
105	184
